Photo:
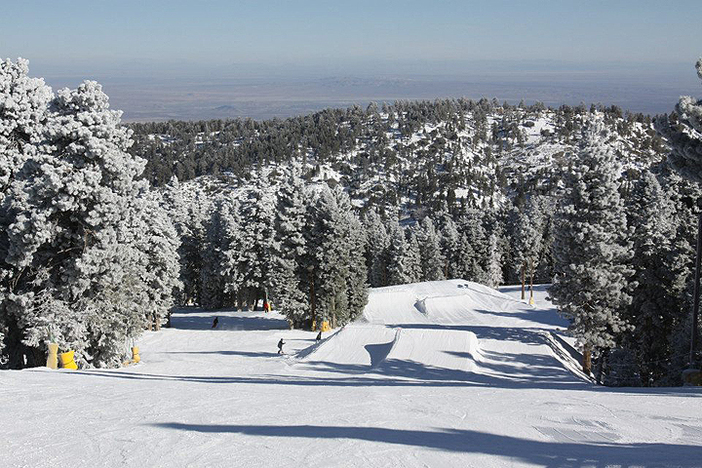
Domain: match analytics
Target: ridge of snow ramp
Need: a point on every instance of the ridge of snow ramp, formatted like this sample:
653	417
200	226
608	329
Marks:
450	301
428	354
355	348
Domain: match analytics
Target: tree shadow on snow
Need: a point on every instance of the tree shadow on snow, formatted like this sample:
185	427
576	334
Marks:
228	353
543	316
203	321
536	452
441	378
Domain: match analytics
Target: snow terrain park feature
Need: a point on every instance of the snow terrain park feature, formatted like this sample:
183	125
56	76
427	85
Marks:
445	373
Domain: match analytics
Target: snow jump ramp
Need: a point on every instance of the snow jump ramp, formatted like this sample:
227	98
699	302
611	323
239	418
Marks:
447	330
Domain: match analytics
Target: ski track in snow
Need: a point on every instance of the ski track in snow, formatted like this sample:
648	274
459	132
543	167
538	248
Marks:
435	374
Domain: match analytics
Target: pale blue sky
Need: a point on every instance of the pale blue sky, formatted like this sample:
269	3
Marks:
310	32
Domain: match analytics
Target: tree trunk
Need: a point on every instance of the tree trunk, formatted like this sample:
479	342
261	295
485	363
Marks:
523	278
312	309
601	365
157	321
531	283
587	360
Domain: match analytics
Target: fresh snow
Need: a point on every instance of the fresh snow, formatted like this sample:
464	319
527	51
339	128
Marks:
446	373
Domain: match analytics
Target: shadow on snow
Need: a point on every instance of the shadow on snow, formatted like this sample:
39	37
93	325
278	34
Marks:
541	453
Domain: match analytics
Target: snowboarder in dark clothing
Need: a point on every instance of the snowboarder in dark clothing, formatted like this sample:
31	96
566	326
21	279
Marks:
319	336
215	322
280	346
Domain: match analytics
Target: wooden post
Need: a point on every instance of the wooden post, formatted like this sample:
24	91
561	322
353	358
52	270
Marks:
52	358
531	284
587	360
312	309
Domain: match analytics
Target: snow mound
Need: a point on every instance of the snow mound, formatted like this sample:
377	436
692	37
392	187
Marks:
433	349
450	302
453	330
354	347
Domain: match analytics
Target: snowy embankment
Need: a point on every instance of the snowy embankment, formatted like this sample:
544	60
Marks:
435	374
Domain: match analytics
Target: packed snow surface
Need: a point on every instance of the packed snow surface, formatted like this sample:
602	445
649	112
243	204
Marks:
436	374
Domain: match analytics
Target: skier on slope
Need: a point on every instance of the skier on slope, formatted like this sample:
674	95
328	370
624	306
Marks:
280	346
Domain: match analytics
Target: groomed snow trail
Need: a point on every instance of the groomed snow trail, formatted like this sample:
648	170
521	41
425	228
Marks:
436	374
450	330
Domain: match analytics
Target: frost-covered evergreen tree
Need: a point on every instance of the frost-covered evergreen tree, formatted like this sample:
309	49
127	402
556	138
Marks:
219	272
356	282
685	196
331	261
660	274
157	239
473	247
413	258
399	271
377	243
591	247
288	250
494	267
431	258
450	245
23	114
69	245
527	240
683	131
188	206
255	258
354	239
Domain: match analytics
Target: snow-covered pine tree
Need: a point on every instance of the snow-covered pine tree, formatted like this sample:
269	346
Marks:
71	208
356	282
377	245
413	257
288	250
23	114
494	267
660	274
188	206
683	131
591	248
527	240
354	239
214	255
157	239
685	196
256	214
474	246
450	249
431	258
399	272
330	259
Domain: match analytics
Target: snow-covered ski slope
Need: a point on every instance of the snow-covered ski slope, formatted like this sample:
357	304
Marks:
435	374
451	330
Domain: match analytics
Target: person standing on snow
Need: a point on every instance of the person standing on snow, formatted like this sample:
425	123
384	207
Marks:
280	346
